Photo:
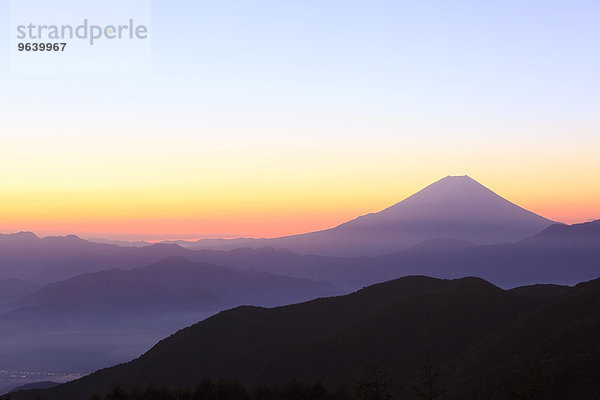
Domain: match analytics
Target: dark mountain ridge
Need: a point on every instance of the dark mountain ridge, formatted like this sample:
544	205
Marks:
482	336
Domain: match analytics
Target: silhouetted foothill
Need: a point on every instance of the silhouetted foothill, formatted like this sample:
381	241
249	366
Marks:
484	340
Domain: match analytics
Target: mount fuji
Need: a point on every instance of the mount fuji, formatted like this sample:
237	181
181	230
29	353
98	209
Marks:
455	207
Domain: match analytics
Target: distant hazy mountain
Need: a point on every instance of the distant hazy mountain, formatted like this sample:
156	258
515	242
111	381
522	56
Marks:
490	343
572	236
24	254
455	207
112	257
42	260
561	254
12	289
36	385
172	285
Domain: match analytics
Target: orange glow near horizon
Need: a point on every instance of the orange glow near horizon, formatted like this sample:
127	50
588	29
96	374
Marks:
60	183
188	229
150	224
268	128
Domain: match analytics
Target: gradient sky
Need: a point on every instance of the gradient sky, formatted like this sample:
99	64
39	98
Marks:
267	118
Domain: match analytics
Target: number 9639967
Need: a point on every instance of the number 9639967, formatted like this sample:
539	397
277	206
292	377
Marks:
41	46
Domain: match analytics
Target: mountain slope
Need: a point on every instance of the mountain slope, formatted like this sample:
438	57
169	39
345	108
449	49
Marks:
556	346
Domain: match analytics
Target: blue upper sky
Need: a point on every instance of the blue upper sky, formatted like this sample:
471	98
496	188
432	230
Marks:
530	59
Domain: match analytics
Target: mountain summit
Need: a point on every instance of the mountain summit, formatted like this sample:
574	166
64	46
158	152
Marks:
452	188
456	207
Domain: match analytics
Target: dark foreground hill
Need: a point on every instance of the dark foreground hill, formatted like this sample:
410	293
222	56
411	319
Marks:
489	343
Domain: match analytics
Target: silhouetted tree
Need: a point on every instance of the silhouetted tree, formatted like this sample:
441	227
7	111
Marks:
429	386
593	394
263	392
117	394
154	393
318	391
204	390
340	394
224	390
230	391
529	385
376	384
